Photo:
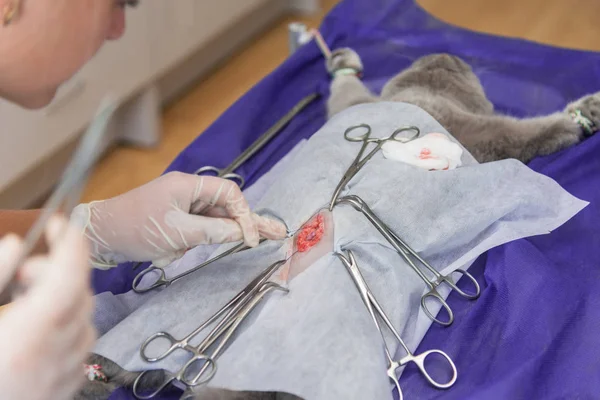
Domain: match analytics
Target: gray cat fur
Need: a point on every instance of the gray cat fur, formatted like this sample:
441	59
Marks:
446	87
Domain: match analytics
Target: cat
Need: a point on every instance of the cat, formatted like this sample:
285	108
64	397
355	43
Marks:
446	87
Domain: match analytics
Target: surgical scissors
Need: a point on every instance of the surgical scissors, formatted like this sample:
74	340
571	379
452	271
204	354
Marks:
233	313
406	252
360	161
228	172
162	279
375	309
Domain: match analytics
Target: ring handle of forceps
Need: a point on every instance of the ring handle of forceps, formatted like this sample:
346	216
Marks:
180	376
197	381
450	281
174	345
419	360
366	136
398	131
169	378
359	138
433	293
189	391
161	281
231	176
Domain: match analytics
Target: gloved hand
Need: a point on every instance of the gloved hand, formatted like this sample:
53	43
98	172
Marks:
157	222
46	334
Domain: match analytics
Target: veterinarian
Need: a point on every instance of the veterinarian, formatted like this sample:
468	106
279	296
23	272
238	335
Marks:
46	334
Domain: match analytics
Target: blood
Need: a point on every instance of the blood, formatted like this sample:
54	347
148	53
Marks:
310	234
425	154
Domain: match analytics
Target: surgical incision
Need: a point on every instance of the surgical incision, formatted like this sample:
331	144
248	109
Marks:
312	241
310	234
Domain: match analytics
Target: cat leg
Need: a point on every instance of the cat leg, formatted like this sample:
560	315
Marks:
496	137
346	88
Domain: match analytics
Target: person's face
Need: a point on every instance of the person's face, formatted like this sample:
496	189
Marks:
50	41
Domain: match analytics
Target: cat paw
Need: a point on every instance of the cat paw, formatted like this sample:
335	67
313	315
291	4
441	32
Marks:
586	108
344	59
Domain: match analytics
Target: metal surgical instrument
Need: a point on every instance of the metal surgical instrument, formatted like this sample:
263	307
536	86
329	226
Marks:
262	292
406	252
162	279
375	309
72	182
366	139
228	172
232	315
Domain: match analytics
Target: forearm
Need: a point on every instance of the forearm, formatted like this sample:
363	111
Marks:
19	222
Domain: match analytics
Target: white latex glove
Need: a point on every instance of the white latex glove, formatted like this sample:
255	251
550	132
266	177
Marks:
47	332
157	222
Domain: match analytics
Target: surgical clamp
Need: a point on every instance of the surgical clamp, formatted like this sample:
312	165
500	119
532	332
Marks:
366	139
262	292
406	252
228	172
164	281
234	312
375	309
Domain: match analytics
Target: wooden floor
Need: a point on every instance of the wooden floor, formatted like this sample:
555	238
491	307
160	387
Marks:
571	23
564	23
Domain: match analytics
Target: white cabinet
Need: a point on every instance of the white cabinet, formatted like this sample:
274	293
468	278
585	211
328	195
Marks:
180	30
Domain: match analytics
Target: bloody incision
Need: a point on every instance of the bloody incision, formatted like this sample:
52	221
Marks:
310	234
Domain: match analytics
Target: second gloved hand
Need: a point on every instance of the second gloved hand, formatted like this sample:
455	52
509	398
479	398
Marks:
46	334
161	220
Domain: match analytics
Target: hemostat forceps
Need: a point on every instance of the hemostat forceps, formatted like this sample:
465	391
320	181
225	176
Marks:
227	172
162	279
406	252
244	312
233	313
366	138
375	309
